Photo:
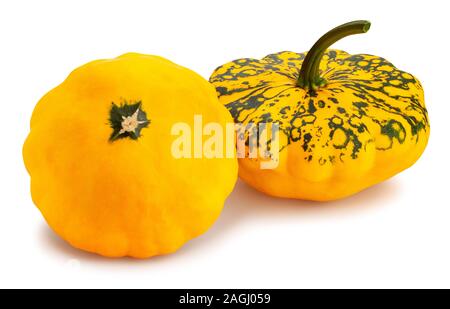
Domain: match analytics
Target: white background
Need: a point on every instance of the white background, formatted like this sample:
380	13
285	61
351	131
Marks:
395	234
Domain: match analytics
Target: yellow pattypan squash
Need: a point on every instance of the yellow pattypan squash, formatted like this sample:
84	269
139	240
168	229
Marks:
346	122
102	170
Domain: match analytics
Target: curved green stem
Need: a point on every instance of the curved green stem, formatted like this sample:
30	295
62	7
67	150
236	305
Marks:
309	77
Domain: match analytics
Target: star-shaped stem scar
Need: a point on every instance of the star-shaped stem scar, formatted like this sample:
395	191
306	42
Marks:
127	120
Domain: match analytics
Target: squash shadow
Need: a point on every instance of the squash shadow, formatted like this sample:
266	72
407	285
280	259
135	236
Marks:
243	205
246	201
247	204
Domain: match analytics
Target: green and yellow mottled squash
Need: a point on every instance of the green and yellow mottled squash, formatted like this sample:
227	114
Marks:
346	121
